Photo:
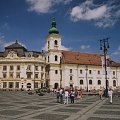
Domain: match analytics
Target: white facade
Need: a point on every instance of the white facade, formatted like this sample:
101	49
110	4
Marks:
49	69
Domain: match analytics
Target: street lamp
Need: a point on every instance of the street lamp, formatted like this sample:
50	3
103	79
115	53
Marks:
86	77
104	45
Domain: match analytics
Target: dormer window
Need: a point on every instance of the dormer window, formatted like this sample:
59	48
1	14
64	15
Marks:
55	42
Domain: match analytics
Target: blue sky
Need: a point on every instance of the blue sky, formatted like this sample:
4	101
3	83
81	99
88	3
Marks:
80	22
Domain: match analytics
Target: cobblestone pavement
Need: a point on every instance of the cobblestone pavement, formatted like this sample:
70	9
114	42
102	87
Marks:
21	106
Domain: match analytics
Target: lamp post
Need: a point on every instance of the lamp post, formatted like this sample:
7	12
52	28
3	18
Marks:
104	45
86	77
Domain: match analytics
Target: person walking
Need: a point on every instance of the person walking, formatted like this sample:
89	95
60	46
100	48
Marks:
61	95
66	97
110	93
58	95
72	95
100	93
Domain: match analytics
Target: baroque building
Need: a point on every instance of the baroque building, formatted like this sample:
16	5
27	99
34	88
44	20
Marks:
54	67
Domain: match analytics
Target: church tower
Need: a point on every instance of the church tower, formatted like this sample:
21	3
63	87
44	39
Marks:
53	45
53	56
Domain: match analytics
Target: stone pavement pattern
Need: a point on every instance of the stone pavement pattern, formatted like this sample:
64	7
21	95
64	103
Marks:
21	106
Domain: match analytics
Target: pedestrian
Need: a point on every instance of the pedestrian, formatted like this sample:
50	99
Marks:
61	95
100	93
81	94
66	97
72	95
110	93
58	95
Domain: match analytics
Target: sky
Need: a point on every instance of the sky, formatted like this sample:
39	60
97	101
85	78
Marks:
81	23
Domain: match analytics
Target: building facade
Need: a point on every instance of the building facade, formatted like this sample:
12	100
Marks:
54	67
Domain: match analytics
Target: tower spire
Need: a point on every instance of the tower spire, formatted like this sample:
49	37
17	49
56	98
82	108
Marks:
53	28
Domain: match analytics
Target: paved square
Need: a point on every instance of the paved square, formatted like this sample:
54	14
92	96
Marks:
18	105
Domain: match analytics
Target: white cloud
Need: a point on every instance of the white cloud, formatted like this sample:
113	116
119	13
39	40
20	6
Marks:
116	53
104	15
44	6
64	48
83	47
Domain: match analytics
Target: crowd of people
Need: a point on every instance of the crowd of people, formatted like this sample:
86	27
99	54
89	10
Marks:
66	95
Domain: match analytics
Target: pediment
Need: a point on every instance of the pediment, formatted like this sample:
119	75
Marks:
12	54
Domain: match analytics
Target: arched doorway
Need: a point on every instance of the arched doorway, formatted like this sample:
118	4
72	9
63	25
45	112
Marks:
56	85
28	85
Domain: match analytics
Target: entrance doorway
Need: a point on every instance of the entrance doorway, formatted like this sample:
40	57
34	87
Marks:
56	85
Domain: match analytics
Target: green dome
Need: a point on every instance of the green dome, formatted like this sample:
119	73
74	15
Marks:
53	29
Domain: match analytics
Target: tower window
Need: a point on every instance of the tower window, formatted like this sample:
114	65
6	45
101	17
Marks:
56	71
70	70
55	42
48	58
70	77
56	58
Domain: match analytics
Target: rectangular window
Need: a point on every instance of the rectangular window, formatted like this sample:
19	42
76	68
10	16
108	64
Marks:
17	75
36	84
36	75
98	72
113	72
4	68
42	75
90	71
28	75
36	68
16	84
11	67
11	84
11	75
4	84
42	68
56	71
29	67
80	71
70	70
18	67
4	75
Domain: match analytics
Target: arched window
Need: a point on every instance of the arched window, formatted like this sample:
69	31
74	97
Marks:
99	82
48	58
70	77
56	58
28	85
114	83
55	42
90	82
81	82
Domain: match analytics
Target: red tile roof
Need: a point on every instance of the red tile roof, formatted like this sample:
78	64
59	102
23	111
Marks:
71	57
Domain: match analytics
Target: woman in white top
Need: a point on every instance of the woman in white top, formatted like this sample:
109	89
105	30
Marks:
66	97
110	93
